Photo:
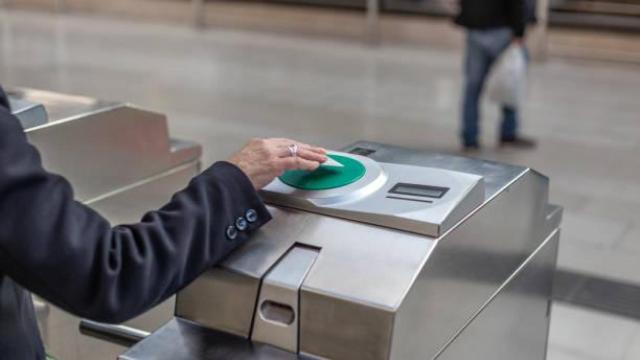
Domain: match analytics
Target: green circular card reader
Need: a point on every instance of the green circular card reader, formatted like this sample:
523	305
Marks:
326	177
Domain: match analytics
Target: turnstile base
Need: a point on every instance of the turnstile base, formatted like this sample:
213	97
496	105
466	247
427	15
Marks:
183	340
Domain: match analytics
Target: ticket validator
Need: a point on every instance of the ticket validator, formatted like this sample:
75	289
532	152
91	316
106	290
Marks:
396	254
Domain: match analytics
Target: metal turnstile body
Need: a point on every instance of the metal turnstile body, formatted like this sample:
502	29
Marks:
120	161
464	275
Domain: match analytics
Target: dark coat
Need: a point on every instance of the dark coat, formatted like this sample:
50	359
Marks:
488	14
70	255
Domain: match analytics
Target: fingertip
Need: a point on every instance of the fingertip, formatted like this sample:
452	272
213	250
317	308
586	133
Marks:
311	155
309	165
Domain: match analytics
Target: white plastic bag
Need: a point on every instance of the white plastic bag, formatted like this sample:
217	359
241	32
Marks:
508	81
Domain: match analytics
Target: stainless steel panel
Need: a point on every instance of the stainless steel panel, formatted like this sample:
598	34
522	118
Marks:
335	328
185	340
370	269
220	299
276	318
101	147
515	323
118	334
105	150
59	107
468	265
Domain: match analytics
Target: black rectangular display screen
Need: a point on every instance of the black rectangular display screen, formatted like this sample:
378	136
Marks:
435	192
362	151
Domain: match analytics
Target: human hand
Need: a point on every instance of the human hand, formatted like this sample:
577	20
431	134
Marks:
262	160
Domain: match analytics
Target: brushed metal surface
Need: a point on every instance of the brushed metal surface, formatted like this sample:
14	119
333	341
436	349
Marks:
468	265
59	107
220	299
336	328
515	322
102	146
371	269
183	340
119	334
279	294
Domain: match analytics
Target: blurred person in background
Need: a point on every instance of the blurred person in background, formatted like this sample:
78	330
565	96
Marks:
492	25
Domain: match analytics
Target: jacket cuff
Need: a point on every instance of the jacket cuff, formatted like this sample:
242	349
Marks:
246	203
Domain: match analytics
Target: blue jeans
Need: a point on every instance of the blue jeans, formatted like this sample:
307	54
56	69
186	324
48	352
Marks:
483	49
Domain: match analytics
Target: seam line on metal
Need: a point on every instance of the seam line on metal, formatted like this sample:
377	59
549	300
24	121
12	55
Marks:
498	291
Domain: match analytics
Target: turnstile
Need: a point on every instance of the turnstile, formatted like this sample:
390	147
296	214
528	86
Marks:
120	161
409	255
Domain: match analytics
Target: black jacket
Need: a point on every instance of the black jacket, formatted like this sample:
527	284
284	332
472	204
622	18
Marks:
68	254
488	14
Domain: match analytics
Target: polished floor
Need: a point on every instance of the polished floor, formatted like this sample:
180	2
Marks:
221	87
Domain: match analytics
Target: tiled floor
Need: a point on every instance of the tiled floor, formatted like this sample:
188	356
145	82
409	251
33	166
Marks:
221	87
582	334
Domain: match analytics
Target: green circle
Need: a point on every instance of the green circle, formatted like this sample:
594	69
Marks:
326	177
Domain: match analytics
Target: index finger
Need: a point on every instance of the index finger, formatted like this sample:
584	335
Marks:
308	154
297	163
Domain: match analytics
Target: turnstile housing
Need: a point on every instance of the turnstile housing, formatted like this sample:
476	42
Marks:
480	290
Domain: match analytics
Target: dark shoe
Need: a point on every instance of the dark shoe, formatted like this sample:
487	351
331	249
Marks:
470	148
519	142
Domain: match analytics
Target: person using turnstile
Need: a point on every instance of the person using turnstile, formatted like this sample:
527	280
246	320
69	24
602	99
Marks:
70	255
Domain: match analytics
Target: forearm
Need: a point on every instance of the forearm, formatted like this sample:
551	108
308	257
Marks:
70	255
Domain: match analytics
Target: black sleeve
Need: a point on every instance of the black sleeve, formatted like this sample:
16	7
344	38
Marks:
4	100
516	13
70	255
